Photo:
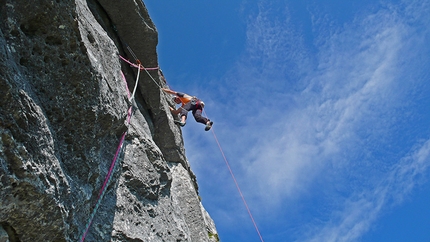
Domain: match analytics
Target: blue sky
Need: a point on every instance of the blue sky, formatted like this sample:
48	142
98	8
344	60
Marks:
321	107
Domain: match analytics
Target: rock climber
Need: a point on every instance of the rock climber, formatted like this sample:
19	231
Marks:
189	103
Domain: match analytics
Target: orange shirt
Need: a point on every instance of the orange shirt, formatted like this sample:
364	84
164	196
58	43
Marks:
185	98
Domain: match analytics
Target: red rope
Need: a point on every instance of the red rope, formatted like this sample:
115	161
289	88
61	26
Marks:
137	66
237	185
111	169
220	148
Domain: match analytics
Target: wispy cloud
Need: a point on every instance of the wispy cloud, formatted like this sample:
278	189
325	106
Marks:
352	82
362	208
323	129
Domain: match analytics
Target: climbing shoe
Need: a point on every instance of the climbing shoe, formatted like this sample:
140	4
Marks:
208	125
180	123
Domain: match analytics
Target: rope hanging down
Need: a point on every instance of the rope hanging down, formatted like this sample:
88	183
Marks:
111	169
119	149
219	146
237	184
121	142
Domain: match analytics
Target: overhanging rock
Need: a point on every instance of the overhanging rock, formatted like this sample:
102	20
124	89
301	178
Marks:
63	109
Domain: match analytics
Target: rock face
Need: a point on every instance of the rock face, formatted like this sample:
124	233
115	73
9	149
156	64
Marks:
63	111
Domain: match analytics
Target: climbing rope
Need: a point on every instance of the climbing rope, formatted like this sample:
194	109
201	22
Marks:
216	139
137	82
111	170
114	162
103	189
139	66
219	146
236	183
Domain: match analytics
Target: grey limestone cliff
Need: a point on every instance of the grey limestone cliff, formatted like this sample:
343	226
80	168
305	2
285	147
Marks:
63	110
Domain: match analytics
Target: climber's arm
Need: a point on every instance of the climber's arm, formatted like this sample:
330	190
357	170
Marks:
169	91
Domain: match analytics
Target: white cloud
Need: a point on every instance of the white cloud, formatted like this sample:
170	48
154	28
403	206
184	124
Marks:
293	139
362	208
352	83
292	129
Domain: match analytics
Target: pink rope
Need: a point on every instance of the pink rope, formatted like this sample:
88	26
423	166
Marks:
238	188
237	184
136	66
107	179
118	150
120	142
112	166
